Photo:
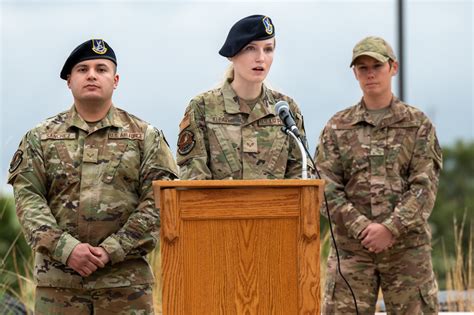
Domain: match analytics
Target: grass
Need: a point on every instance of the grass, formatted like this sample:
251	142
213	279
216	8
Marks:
459	271
324	253
16	269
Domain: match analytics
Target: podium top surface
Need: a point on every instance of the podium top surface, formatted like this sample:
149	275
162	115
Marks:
237	183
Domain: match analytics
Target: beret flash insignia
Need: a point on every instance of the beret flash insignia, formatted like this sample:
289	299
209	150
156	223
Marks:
268	25
98	46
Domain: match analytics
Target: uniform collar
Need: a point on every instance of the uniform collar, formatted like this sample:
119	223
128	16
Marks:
263	107
111	119
397	113
231	100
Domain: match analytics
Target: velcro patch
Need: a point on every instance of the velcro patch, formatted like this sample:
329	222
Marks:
91	155
16	160
127	135
58	136
186	142
250	145
185	122
225	120
273	121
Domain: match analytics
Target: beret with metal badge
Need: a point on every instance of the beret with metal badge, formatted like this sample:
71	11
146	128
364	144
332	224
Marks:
91	49
250	28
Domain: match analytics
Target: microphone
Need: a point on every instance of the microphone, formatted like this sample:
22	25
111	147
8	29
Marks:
283	110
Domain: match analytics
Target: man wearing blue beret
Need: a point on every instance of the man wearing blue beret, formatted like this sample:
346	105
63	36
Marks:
83	190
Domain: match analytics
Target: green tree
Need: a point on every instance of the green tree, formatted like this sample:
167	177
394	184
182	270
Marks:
454	200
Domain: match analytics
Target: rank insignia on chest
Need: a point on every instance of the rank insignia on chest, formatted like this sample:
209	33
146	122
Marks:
16	161
91	155
186	142
250	145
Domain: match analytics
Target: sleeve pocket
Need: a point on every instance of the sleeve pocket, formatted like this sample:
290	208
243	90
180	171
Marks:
428	292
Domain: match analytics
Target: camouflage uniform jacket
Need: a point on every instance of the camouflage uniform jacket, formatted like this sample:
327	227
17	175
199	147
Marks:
76	184
220	139
386	174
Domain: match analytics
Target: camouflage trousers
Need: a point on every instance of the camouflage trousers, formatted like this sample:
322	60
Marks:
405	276
136	300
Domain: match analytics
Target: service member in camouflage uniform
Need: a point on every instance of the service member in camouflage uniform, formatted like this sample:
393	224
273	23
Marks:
83	190
232	132
381	161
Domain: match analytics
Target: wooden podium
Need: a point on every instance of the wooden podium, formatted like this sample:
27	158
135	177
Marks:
240	246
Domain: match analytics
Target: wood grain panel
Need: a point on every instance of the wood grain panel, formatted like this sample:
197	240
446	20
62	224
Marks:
241	250
309	214
308	254
241	266
169	215
239	203
171	255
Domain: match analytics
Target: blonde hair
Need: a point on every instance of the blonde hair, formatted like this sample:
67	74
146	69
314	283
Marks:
227	76
229	73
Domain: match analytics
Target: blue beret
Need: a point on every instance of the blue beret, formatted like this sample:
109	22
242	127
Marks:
250	28
91	49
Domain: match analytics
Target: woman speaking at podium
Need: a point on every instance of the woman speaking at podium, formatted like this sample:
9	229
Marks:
233	132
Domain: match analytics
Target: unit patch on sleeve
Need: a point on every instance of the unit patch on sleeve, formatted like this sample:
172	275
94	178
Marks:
186	142
16	161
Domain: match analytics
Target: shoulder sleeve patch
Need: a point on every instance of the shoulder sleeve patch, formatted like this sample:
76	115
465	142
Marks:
185	122
20	162
16	160
186	142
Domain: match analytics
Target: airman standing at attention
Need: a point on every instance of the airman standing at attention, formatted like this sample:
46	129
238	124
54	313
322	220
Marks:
381	162
83	190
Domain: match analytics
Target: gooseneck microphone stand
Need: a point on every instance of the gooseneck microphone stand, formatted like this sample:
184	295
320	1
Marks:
304	167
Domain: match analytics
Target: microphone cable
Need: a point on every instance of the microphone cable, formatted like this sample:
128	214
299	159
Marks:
331	230
282	107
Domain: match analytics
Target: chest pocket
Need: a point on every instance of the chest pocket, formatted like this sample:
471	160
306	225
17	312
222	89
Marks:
358	165
354	148
274	147
399	149
224	159
66	161
123	157
59	163
116	157
277	156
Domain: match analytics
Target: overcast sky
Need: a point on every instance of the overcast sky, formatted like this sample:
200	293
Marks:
167	53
